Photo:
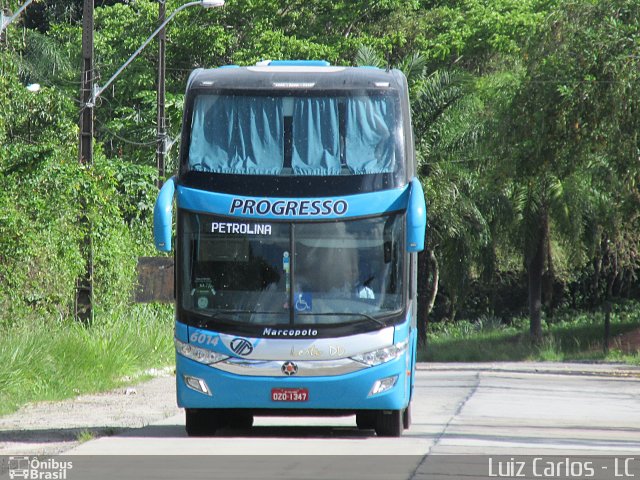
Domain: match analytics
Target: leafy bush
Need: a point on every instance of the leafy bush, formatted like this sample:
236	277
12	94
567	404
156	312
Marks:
43	188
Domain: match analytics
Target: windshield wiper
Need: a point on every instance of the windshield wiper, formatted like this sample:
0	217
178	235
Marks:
350	314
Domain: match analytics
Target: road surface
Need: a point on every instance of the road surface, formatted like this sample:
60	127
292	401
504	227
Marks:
481	409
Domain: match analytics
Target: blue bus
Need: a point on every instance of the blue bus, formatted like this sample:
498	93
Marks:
299	218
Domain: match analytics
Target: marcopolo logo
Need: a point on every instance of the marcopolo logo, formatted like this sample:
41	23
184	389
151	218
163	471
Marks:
241	346
289	208
279	332
38	469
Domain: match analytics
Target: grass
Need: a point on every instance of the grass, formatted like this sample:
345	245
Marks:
570	337
85	436
56	360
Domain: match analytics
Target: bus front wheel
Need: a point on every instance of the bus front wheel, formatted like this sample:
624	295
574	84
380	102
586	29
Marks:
201	422
241	420
389	423
366	420
406	417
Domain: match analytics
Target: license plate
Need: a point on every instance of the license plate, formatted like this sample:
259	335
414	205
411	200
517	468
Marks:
289	394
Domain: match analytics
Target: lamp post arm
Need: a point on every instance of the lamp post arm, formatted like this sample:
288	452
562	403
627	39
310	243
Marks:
98	90
7	20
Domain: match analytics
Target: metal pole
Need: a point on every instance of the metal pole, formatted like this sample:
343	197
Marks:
84	287
162	131
607	327
86	92
97	91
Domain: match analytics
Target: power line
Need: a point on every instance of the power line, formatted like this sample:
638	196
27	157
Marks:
104	128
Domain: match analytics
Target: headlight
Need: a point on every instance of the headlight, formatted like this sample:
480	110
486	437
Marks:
198	354
382	355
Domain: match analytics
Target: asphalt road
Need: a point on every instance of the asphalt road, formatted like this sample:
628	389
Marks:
489	409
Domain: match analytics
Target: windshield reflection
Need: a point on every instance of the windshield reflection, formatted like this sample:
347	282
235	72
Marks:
282	273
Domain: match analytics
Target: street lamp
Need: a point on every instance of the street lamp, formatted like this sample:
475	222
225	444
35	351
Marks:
5	21
161	124
97	90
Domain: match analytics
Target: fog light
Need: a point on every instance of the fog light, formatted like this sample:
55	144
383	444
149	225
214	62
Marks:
197	384
383	385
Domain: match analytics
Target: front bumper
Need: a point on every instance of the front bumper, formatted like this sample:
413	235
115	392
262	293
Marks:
349	392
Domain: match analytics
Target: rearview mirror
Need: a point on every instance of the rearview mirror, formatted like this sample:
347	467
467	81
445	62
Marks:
163	216
416	217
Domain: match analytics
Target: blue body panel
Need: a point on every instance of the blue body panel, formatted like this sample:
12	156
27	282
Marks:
182	332
344	392
301	209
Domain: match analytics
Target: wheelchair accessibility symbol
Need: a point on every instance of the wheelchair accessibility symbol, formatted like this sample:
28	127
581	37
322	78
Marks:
303	302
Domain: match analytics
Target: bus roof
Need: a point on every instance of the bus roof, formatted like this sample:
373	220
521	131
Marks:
292	75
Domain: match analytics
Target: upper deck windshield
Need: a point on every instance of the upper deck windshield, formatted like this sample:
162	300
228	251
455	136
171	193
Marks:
353	133
283	273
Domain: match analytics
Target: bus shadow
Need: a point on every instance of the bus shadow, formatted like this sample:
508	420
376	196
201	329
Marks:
288	431
297	432
70	436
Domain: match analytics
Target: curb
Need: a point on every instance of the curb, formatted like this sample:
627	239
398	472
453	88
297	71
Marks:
615	370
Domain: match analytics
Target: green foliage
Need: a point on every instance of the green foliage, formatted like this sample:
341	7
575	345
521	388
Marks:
562	148
42	188
471	32
574	336
44	353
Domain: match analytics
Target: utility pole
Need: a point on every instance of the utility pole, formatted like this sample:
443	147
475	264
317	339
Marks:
161	148
84	286
86	92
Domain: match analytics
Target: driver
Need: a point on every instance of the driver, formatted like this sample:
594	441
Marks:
333	271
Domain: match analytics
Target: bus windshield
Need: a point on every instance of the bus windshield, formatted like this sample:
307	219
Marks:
316	135
284	273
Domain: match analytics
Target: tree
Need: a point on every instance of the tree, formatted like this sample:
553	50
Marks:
579	77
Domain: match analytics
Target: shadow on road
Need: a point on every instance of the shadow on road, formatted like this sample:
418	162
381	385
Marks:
178	431
45	436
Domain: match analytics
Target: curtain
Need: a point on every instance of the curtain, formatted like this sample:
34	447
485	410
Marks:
370	135
316	136
237	134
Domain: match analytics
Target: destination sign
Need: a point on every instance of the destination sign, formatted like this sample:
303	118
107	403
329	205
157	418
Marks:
289	208
244	228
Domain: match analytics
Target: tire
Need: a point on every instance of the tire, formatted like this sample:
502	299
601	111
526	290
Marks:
366	420
389	423
201	422
241	421
406	417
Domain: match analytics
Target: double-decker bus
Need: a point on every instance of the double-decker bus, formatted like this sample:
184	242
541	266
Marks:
299	219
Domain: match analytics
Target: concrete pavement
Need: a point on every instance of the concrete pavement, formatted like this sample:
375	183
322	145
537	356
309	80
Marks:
507	409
